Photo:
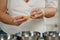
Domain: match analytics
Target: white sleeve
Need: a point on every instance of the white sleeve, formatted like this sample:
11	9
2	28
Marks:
51	3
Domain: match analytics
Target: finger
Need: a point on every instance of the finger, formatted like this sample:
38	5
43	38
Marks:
20	20
35	13
37	16
17	23
33	17
32	14
37	9
39	12
19	17
34	10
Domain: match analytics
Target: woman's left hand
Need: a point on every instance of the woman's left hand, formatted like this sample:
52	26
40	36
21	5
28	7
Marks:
36	13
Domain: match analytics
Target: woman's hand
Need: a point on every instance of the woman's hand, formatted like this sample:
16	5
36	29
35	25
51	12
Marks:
36	13
19	20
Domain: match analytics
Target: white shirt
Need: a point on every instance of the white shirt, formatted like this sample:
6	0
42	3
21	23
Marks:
19	7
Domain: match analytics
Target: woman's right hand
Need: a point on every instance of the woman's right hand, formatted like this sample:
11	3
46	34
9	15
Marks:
19	20
36	13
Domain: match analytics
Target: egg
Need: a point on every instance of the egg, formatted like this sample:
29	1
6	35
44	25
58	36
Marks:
27	17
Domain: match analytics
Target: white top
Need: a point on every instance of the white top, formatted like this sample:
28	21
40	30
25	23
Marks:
19	7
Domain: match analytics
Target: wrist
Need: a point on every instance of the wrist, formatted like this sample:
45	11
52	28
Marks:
43	11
